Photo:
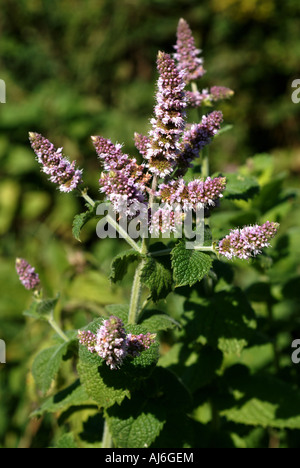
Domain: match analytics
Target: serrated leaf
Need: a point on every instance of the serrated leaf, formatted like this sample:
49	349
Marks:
225	321
261	400
157	276
195	369
81	219
120	264
106	386
74	395
66	441
240	187
138	422
154	321
135	424
42	309
190	266
47	363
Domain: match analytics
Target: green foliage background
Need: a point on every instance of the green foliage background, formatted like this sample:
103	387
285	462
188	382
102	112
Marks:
78	68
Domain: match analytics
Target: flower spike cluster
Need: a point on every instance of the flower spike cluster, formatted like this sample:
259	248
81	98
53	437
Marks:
167	152
113	344
169	121
188	61
194	194
166	220
142	143
123	180
54	164
187	55
247	242
27	275
197	137
216	93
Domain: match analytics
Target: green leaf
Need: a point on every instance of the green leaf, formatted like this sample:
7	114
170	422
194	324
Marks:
195	368
157	276
225	321
138	422
240	187
42	309
106	386
66	441
261	400
80	220
120	264
154	321
47	363
74	395
190	266
93	286
135	424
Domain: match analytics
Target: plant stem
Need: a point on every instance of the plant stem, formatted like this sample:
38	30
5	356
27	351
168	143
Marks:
136	292
137	282
205	163
107	439
113	223
58	330
205	248
201	248
123	233
87	198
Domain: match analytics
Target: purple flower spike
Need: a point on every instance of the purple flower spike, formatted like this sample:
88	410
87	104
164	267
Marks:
87	339
27	275
59	168
166	220
197	137
111	342
218	93
138	343
187	55
142	143
169	121
123	180
247	242
194	194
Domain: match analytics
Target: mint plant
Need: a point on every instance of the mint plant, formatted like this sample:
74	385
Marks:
147	396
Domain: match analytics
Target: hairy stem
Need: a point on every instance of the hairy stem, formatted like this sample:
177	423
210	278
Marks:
58	330
205	163
107	439
137	288
87	198
123	233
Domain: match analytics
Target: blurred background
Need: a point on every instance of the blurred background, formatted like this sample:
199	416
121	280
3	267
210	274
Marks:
78	68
